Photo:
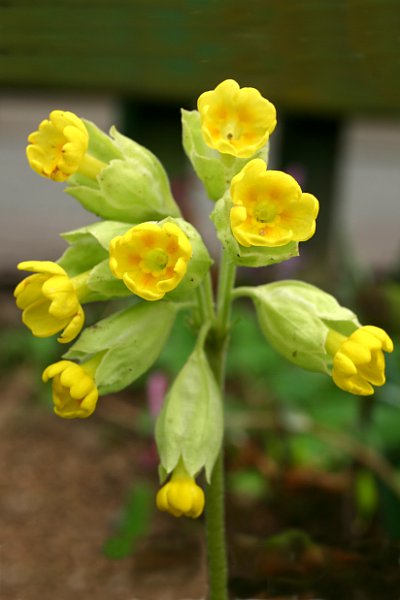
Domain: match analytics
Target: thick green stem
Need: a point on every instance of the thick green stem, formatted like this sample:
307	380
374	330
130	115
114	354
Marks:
215	501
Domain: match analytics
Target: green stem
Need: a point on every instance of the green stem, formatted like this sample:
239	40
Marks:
205	301
215	501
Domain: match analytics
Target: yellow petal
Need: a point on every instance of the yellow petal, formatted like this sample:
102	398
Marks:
37	318
73	328
41	266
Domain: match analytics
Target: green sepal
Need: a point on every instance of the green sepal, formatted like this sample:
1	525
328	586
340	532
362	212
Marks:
101	146
101	231
190	424
130	341
104	284
88	251
295	318
132	188
214	169
198	265
254	256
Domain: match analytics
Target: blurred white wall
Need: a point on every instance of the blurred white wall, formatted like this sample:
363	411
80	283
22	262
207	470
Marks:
368	191
33	209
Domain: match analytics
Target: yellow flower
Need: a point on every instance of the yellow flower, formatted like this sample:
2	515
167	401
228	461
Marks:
269	208
151	259
49	300
74	390
181	495
234	120
358	360
58	149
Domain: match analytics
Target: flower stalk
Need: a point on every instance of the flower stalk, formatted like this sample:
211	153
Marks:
215	492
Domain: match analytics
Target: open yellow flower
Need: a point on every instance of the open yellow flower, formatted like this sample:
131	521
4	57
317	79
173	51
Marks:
58	148
50	300
75	393
358	360
234	120
151	259
181	495
269	208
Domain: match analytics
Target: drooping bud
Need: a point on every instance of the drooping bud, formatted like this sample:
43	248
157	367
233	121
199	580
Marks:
311	329
75	393
296	317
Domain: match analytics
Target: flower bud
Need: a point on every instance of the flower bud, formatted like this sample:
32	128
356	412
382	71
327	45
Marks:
358	360
75	393
181	495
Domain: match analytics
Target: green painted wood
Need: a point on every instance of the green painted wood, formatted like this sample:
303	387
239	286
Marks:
313	55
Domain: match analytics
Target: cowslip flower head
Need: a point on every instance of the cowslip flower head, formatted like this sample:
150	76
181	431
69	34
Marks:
236	121
74	389
358	360
151	259
49	300
58	148
181	495
269	208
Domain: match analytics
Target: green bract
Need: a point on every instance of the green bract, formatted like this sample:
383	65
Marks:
130	341
214	169
295	317
254	256
133	187
190	425
88	251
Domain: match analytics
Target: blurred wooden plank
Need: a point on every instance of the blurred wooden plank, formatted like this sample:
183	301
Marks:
315	55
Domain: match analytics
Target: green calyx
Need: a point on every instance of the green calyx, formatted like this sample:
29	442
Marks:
214	169
190	425
296	318
132	188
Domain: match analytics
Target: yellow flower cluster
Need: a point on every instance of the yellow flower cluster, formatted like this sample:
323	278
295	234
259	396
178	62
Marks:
269	208
234	120
358	360
151	259
75	393
181	496
49	300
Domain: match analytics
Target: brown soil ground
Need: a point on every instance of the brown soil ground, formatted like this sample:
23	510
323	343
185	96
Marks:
63	484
